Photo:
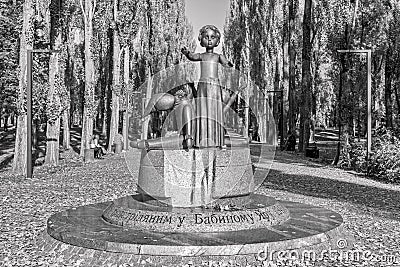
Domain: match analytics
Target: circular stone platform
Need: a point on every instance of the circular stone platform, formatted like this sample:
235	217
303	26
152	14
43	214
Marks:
308	226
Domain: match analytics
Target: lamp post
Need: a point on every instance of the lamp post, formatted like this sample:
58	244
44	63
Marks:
369	94
29	53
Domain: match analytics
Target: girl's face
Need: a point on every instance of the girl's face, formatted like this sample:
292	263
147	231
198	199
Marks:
209	39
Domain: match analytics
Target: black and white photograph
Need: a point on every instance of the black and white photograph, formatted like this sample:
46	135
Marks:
200	133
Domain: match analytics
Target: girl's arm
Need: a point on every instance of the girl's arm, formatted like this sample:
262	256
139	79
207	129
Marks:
224	61
191	56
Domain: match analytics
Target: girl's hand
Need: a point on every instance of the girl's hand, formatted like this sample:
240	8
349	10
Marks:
189	55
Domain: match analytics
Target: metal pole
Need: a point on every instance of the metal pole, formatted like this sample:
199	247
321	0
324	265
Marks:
29	115
369	104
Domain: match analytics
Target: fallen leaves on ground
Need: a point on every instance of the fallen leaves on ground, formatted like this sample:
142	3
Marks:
370	209
28	203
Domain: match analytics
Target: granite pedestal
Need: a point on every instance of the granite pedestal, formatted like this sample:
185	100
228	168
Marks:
197	177
85	227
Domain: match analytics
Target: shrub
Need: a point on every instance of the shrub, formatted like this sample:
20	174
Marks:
353	156
384	160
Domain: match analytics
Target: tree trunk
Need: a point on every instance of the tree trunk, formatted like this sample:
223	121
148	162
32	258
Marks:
305	111
66	130
108	83
277	99
104	125
26	42
145	123
388	89
246	90
126	81
115	86
88	109
66	103
271	129
397	96
35	133
285	69
102	103
53	100
292	65
52	143
20	160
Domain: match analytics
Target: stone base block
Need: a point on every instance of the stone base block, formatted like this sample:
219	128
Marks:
196	177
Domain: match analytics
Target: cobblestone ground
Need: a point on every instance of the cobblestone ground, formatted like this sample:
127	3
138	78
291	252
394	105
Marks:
370	210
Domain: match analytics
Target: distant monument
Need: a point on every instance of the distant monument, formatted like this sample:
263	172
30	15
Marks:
196	187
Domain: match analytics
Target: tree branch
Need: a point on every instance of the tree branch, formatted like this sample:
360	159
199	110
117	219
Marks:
94	9
120	52
83	11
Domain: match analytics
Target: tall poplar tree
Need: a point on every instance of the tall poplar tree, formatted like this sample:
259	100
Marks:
306	82
116	70
56	85
293	6
26	42
88	9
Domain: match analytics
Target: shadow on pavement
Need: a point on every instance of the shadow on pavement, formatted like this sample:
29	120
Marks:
384	200
7	144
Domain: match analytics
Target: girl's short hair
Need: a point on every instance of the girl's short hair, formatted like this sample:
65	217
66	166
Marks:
209	27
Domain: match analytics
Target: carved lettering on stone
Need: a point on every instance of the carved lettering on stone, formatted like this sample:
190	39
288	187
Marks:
125	217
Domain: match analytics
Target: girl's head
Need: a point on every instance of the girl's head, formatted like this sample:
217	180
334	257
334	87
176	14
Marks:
209	36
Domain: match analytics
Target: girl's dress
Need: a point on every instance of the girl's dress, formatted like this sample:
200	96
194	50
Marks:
209	114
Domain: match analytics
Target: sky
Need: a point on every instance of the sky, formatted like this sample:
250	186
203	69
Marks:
203	12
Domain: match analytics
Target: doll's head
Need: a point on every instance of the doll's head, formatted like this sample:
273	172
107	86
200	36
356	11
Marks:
209	36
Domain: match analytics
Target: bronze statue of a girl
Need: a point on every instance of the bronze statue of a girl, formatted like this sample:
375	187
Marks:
209	101
205	121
